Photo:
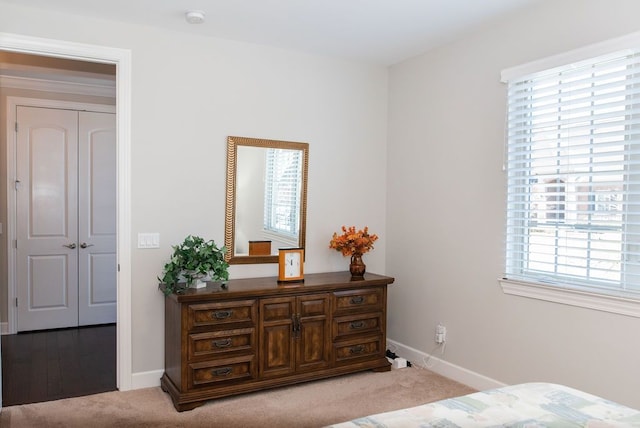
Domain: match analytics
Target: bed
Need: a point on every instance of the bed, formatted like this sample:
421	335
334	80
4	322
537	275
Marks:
527	405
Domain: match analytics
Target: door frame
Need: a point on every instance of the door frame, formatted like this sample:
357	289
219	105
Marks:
122	59
12	150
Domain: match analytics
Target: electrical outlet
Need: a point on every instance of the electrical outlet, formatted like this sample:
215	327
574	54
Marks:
441	334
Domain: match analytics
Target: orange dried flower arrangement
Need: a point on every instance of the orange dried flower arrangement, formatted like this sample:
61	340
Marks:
353	242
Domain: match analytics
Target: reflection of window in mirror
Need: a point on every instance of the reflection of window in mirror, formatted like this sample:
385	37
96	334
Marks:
282	194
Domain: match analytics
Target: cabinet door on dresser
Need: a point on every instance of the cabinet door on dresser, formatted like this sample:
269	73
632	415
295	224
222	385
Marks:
295	334
314	332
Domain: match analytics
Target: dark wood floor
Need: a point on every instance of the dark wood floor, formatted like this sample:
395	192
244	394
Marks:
54	364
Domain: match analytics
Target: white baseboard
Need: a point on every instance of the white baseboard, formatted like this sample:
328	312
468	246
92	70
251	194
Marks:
475	380
4	328
444	368
146	379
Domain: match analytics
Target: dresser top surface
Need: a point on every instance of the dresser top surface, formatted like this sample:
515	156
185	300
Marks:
314	282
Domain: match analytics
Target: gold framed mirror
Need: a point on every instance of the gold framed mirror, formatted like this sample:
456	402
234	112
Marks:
266	201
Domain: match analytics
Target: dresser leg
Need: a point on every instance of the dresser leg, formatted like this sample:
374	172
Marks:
167	386
385	367
187	406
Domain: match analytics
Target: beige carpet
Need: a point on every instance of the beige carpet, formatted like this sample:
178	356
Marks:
313	404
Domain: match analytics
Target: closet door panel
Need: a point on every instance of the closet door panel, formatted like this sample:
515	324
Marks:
46	224
97	218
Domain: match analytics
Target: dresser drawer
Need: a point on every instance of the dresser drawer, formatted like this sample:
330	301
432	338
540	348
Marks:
217	372
368	299
220	343
361	324
361	348
221	313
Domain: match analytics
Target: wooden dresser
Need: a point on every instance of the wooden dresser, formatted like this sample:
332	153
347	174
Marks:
256	334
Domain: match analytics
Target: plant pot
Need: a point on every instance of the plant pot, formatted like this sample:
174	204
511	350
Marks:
199	283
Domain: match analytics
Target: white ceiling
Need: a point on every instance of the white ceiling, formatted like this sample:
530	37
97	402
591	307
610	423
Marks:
379	31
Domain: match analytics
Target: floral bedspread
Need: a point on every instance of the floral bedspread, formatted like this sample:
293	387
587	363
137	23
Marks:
528	405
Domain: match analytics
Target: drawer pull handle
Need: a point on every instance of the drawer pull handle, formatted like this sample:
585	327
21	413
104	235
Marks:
357	300
223	343
221	315
356	349
356	325
222	372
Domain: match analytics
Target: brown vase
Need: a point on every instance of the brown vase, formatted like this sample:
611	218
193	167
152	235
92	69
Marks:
357	266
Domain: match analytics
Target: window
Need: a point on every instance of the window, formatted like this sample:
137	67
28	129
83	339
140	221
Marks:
573	176
282	193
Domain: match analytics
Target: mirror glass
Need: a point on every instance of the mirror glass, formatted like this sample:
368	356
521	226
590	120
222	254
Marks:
266	198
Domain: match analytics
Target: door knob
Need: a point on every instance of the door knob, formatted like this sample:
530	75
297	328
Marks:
71	246
85	245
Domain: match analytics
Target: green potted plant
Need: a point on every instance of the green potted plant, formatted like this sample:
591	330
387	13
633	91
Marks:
192	261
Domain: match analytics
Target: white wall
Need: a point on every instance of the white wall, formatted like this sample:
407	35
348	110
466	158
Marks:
188	94
446	203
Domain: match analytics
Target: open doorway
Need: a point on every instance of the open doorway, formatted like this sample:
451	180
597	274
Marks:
120	59
63	149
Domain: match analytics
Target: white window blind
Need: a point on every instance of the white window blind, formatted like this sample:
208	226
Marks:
573	166
282	191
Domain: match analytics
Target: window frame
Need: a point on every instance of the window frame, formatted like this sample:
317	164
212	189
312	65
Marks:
613	301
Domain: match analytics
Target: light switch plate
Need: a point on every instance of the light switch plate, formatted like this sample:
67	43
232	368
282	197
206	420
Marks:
148	240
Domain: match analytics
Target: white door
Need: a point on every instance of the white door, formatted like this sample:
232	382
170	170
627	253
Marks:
96	218
50	233
47	229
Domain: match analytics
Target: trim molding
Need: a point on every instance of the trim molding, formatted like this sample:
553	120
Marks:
627	42
52	85
122	59
568	296
148	379
444	368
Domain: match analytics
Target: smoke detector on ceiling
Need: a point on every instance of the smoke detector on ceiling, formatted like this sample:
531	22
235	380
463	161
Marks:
194	16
